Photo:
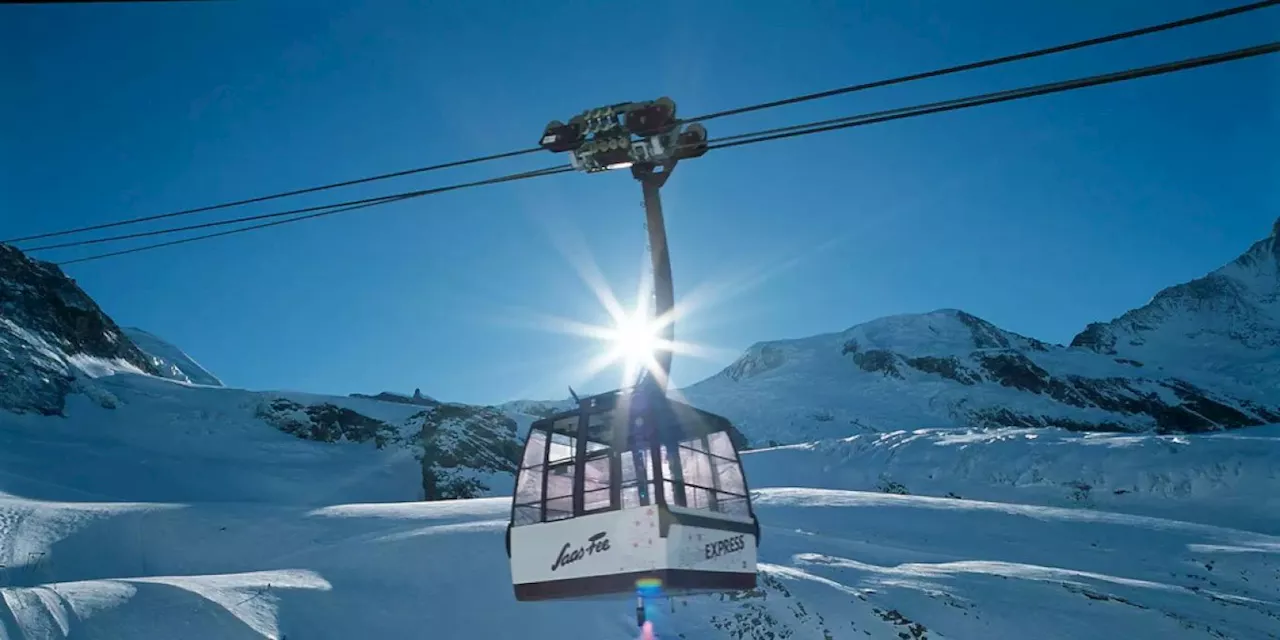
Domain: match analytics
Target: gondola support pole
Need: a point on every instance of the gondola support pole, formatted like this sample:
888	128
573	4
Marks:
651	181
647	138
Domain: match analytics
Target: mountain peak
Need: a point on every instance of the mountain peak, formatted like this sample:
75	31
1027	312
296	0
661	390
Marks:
947	330
941	332
1226	322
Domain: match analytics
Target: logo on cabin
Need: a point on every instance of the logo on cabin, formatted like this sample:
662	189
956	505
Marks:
598	543
726	546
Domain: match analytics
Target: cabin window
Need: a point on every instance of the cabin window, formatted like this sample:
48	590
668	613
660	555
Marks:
561	469
562	449
528	502
707	476
637	480
596	494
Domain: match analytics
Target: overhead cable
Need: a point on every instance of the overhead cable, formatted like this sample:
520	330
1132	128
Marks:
1202	18
988	98
349	206
275	196
990	62
745	139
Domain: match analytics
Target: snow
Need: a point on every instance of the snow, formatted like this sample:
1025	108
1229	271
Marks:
171	361
101	367
1219	478
179	514
163	507
1225	325
813	388
172	442
837	561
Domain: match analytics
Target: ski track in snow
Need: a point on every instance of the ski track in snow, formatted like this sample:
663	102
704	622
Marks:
835	562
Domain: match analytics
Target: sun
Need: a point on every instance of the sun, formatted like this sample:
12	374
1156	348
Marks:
633	337
634	341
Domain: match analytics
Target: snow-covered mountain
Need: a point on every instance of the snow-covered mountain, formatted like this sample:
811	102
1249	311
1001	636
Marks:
58	347
951	369
170	362
1201	356
1226	323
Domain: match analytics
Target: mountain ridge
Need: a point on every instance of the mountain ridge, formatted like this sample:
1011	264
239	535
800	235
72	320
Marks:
944	368
950	368
1225	323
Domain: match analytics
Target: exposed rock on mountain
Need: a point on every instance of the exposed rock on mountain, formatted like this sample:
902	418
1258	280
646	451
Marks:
53	336
464	450
1225	324
950	368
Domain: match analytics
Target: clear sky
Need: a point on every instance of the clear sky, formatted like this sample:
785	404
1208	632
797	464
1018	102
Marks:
1040	215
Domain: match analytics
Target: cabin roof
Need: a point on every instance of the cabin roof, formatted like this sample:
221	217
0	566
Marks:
608	414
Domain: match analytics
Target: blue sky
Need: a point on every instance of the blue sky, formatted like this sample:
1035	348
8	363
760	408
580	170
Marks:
1040	215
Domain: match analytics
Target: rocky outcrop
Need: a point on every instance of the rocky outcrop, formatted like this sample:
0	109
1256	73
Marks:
461	445
879	361
52	335
326	422
387	396
463	449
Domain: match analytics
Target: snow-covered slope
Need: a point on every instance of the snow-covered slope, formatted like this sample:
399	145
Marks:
163	437
1208	478
170	361
1226	323
835	564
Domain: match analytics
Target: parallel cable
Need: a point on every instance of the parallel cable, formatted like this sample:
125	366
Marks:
276	196
1215	15
988	98
751	138
1027	55
360	204
223	223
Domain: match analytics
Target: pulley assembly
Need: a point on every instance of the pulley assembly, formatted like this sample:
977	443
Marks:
626	134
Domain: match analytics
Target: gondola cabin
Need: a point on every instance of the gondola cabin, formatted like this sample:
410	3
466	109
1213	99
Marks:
631	488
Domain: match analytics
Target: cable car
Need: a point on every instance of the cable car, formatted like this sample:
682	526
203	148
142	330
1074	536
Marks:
628	490
632	492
